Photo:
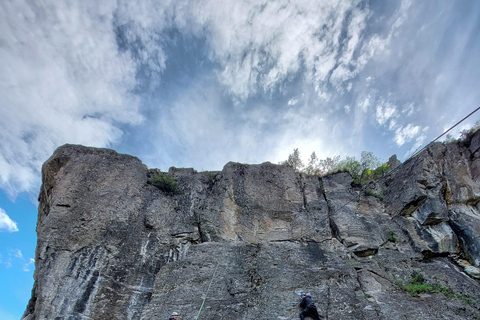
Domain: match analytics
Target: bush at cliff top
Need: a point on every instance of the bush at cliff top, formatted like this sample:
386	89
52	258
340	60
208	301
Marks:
164	182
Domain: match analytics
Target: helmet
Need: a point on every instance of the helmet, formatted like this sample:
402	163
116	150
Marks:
303	294
174	314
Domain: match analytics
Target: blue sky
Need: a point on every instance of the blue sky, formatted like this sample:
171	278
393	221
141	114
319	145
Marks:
200	83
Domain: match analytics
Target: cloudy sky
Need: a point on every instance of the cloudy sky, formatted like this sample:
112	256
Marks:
200	83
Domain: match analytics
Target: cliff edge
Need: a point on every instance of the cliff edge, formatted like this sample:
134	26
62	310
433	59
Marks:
112	246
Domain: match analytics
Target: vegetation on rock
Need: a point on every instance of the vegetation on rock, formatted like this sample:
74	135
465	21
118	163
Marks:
163	181
365	171
465	135
392	237
419	285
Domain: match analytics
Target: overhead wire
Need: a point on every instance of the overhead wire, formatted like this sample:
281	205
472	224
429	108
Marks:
384	176
347	203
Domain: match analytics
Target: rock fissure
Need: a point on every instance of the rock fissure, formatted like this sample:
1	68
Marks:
331	223
112	247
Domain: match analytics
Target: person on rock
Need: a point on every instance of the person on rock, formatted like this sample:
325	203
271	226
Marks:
174	316
309	309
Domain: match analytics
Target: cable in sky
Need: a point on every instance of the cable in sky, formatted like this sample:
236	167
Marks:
371	185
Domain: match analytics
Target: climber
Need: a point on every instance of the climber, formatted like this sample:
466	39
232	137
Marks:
309	309
174	316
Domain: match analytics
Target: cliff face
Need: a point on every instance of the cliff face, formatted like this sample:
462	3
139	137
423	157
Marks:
111	246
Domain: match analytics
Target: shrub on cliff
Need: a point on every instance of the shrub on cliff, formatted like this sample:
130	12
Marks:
294	161
365	171
163	181
419	285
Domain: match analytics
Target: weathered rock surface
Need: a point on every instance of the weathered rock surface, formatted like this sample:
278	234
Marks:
111	246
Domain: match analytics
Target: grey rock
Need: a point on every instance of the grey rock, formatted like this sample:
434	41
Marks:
474	144
393	162
472	271
465	222
111	246
431	212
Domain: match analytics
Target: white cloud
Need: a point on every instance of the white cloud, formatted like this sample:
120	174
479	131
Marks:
365	104
392	125
406	134
17	254
71	73
292	102
384	112
8	263
15	257
263	43
7	224
409	109
26	266
62	80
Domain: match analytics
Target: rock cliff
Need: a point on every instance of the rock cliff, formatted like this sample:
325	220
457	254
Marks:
112	246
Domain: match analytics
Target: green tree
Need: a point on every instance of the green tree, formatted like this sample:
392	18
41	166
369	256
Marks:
313	165
449	138
351	165
468	133
369	160
329	165
294	161
364	171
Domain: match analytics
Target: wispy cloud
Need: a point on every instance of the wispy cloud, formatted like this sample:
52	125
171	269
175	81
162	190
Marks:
7	224
17	254
405	134
263	45
15	257
203	82
27	265
62	80
384	112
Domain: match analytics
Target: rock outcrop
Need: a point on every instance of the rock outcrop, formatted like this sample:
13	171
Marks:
112	246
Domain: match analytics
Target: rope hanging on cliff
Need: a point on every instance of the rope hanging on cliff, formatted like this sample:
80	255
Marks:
206	293
386	175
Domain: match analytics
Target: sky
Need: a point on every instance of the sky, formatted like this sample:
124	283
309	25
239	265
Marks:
201	83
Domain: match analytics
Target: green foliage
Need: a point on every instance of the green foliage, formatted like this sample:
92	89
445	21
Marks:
211	175
416	289
351	165
417	279
329	165
392	237
368	160
418	285
164	182
450	139
368	169
468	134
381	170
312	167
464	135
294	161
369	175
351	262
374	194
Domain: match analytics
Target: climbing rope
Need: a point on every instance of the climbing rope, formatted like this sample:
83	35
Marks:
384	176
206	294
